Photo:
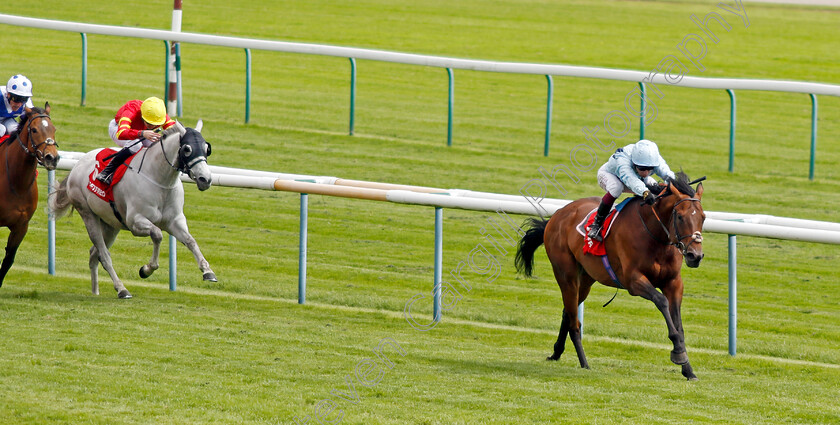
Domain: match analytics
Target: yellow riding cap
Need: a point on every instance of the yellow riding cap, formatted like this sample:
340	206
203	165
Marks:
153	111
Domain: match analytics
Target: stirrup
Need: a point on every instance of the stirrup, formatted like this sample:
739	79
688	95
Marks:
595	232
105	178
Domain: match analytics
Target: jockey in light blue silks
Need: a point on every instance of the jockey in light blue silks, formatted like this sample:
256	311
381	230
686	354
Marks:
17	96
629	170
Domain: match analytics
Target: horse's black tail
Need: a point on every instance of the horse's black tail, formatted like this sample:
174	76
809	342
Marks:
59	200
528	244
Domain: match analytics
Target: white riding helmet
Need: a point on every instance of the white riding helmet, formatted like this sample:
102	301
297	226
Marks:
19	85
645	154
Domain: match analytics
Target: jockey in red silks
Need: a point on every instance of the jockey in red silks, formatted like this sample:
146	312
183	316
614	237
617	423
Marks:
137	124
629	170
17	96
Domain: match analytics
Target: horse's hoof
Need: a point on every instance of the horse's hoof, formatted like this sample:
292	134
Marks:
210	276
143	274
552	358
124	294
688	372
679	358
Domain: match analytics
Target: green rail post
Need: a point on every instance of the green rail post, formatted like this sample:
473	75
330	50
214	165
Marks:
166	72
548	113
642	112
813	134
84	67
731	130
352	94
247	85
451	106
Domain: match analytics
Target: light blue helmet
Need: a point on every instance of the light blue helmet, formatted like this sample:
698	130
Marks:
645	154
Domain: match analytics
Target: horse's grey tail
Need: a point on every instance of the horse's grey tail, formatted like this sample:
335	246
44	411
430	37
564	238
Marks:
528	244
59	200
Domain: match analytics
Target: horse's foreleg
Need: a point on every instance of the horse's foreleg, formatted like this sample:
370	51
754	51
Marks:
15	238
144	227
673	292
648	292
95	231
178	228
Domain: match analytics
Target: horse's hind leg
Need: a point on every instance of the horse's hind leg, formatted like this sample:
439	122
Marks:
178	228
95	228
560	345
109	234
568	278
93	263
16	235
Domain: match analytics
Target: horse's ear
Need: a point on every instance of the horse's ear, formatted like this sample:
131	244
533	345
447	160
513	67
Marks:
699	191
47	107
199	125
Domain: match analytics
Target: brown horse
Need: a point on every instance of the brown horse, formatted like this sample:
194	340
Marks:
31	144
645	249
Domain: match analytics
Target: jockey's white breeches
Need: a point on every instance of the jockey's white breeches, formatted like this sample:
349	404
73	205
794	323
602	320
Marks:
612	184
8	126
132	145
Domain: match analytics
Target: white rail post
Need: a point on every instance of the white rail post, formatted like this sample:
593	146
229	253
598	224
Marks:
733	295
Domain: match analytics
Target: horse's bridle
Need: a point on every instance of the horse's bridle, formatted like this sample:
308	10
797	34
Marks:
35	152
679	244
184	166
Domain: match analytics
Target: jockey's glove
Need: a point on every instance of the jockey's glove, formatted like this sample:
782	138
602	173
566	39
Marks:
649	197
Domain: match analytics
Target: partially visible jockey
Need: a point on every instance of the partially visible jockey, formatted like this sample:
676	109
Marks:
629	170
137	124
17	96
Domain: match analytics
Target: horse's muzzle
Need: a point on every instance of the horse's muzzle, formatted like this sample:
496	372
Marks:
203	183
692	259
51	161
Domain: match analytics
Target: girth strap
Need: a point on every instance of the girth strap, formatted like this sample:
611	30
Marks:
606	262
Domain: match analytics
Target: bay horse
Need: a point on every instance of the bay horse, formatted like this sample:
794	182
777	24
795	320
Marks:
31	144
645	247
150	197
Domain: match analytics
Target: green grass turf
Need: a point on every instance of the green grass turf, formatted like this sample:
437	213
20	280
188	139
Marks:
242	351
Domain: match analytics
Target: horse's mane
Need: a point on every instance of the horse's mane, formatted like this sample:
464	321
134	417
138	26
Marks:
24	118
680	182
173	129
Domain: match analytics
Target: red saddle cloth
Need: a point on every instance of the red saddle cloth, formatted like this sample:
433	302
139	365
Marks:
95	186
591	246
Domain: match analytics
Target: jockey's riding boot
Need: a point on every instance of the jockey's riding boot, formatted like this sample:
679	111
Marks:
107	174
595	229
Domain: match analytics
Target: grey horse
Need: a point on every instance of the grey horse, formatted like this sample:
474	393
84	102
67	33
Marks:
150	197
